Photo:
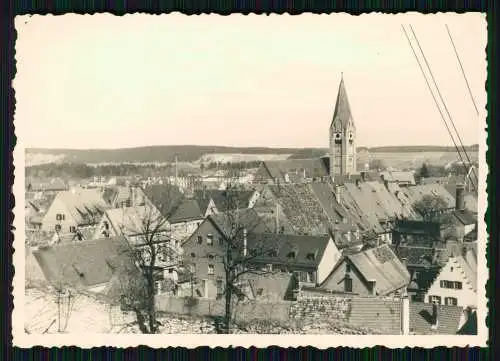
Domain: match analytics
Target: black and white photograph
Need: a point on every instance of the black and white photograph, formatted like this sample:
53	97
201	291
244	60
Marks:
262	180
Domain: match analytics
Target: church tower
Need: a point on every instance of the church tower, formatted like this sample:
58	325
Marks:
342	136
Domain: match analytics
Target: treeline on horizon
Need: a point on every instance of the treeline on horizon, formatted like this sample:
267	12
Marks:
193	153
84	171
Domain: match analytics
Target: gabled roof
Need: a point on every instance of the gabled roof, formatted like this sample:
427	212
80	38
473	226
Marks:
55	184
421	256
376	313
239	197
382	266
296	168
229	222
399	176
86	263
165	197
186	211
416	193
421	319
308	250
136	220
86	206
342	110
465	217
279	285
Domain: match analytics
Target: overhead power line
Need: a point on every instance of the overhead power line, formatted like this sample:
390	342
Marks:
462	68
434	98
469	163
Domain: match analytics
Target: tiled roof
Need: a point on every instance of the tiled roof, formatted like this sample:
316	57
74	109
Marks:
109	194
383	266
302	208
86	263
465	217
308	250
366	203
165	197
402	177
134	220
188	210
421	319
240	198
416	193
421	256
229	222
376	313
342	110
276	284
43	203
296	168
50	185
86	206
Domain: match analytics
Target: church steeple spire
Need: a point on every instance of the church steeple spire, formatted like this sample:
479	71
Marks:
342	135
342	110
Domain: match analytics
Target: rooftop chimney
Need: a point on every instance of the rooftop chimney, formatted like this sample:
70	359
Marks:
405	315
245	243
459	198
435	316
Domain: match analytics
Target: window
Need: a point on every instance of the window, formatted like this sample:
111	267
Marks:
72	229
450	301
193	255
211	270
157	287
170	270
58	227
311	256
435	300
273	253
220	241
60	217
348	284
291	254
348	267
210	240
200	239
210	256
451	284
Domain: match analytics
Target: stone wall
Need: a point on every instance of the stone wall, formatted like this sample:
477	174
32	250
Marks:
308	308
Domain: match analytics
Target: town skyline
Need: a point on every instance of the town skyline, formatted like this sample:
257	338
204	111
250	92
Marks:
255	88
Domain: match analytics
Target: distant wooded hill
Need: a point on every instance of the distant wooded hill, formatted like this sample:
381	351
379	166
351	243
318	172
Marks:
192	153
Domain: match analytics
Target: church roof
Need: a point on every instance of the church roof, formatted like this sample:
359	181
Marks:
342	109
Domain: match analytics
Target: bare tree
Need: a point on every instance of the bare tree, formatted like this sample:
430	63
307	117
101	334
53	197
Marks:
151	249
241	247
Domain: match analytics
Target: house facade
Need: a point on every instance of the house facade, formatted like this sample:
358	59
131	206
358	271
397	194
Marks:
456	283
376	272
141	225
72	209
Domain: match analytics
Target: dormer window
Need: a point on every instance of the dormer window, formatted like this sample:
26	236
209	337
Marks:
291	254
273	253
311	256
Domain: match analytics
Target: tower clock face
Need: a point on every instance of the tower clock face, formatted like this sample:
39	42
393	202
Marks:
351	136
337	136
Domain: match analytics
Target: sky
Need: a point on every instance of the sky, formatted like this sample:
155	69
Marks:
104	81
